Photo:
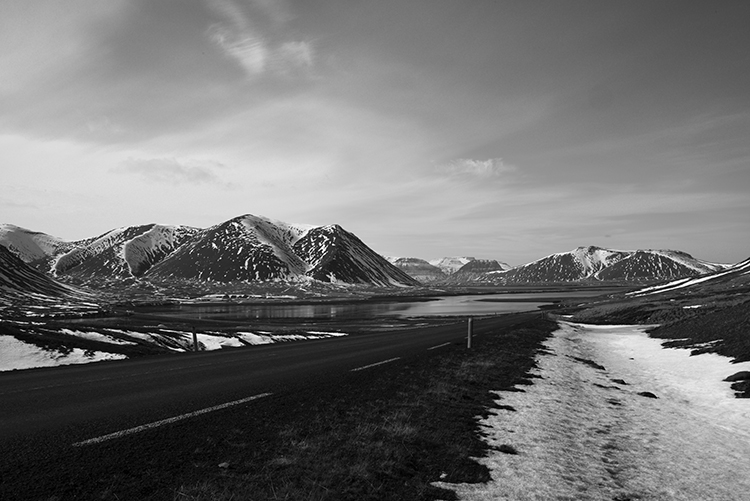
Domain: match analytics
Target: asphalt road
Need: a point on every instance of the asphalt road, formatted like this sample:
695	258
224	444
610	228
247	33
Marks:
45	413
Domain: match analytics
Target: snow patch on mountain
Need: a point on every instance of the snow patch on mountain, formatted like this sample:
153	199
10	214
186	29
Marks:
150	247
18	280
606	265
26	244
280	237
739	272
245	248
419	269
450	265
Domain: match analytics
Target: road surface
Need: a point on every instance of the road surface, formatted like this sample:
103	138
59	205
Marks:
53	418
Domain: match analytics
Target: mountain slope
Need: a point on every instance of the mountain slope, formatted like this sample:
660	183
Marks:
651	264
597	263
418	269
476	270
254	248
336	255
732	277
122	252
28	245
450	265
19	279
243	248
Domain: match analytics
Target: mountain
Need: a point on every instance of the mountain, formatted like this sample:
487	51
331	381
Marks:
245	248
20	281
596	263
256	248
337	255
450	265
476	270
122	252
730	278
29	245
646	265
419	269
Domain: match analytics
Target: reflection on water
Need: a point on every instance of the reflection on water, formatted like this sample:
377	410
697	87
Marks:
451	305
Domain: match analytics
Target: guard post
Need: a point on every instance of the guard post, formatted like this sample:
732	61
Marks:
195	340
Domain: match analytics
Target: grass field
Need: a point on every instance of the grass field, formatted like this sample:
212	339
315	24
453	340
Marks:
388	437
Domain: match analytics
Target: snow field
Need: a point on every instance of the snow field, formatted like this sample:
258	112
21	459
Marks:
582	436
15	354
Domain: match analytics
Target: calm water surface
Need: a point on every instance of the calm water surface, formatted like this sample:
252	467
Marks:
437	306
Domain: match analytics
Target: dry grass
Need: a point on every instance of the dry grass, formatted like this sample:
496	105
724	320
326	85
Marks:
412	426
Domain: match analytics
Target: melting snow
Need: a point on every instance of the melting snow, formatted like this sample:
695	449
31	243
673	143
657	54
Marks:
96	336
581	435
16	354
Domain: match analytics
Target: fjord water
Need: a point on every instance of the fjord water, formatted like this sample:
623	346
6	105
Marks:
486	304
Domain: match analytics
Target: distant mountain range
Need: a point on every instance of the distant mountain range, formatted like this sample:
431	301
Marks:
581	264
244	248
256	248
596	263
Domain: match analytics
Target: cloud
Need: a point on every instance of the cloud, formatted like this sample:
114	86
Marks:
298	54
171	170
249	50
483	169
255	50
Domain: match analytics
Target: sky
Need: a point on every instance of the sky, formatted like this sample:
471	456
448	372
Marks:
504	130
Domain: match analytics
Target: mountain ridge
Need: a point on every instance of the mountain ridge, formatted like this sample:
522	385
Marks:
601	264
244	248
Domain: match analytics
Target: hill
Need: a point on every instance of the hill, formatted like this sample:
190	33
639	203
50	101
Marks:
600	264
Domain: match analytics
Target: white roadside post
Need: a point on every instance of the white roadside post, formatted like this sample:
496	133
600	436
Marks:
468	338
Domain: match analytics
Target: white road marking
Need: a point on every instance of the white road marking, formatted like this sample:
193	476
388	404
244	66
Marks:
375	364
438	346
156	424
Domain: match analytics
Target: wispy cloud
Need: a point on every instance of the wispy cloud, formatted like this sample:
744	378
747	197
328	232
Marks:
258	51
484	169
172	170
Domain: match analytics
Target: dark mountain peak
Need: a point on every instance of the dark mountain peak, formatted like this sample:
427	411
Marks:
481	266
418	269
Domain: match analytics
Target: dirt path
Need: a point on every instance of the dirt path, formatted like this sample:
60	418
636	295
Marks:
583	431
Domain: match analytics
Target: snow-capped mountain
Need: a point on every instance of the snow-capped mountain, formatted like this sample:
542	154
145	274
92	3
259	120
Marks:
256	248
122	252
419	269
597	263
244	248
29	245
336	255
731	277
481	266
450	265
476	270
656	264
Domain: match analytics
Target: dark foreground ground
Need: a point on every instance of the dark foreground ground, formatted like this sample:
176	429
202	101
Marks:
384	433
